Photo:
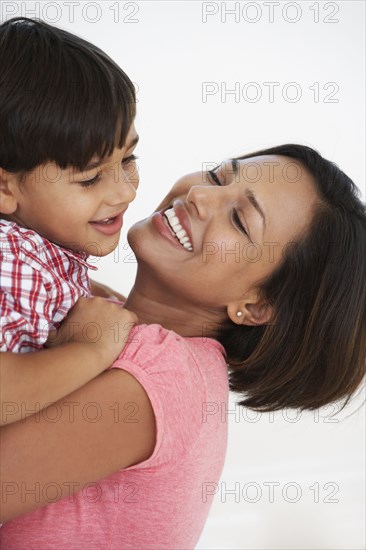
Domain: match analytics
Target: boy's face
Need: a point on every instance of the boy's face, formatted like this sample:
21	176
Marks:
82	211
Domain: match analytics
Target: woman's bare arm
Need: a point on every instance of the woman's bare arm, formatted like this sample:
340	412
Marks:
105	426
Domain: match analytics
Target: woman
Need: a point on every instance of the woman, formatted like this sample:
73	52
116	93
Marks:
269	273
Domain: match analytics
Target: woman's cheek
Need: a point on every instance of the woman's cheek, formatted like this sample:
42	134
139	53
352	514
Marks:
181	188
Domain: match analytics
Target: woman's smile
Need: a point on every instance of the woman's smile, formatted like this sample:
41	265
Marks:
173	223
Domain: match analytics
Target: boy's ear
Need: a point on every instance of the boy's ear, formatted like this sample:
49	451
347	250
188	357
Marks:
250	311
8	192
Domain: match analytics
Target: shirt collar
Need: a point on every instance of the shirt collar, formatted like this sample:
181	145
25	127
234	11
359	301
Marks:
80	257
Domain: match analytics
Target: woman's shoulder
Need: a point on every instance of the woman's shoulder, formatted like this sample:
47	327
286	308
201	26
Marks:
179	375
147	343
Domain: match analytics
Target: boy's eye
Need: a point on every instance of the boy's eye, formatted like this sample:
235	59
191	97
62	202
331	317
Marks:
131	158
88	183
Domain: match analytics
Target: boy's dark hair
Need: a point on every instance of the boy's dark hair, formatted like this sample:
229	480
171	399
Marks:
62	99
315	352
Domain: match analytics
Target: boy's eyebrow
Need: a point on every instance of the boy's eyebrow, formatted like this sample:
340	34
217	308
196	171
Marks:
97	162
134	141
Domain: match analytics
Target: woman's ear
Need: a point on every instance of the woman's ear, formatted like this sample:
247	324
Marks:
8	193
250	312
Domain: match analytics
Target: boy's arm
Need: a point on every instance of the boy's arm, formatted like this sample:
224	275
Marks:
30	381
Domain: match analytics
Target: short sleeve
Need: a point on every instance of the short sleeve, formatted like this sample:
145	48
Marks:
25	306
161	361
39	282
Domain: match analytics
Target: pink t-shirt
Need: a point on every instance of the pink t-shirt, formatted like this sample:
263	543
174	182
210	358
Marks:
163	502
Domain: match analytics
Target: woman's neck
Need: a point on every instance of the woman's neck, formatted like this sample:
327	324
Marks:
185	320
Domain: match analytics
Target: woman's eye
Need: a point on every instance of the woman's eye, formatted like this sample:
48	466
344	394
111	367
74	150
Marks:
238	223
89	183
213	177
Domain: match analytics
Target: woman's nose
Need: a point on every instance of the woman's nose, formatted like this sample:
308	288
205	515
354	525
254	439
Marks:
204	199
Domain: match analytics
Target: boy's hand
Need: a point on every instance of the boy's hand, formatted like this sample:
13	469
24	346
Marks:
104	291
98	322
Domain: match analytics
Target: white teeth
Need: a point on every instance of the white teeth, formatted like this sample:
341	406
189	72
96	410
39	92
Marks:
177	229
169	213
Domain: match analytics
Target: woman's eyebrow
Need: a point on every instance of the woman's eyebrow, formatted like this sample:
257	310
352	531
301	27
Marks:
253	201
250	195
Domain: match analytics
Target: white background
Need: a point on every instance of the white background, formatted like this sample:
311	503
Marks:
170	52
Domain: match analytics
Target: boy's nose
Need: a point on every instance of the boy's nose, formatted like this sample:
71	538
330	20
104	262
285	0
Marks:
123	189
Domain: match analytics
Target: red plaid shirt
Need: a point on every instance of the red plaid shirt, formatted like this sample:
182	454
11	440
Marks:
39	283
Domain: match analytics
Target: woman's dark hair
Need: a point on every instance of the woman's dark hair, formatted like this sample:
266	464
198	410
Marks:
62	99
314	353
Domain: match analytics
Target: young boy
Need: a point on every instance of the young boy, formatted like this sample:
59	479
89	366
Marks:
67	175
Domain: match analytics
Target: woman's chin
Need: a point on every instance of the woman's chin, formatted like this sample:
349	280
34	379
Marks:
139	237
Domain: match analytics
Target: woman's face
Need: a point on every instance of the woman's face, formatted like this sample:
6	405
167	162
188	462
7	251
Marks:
235	225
